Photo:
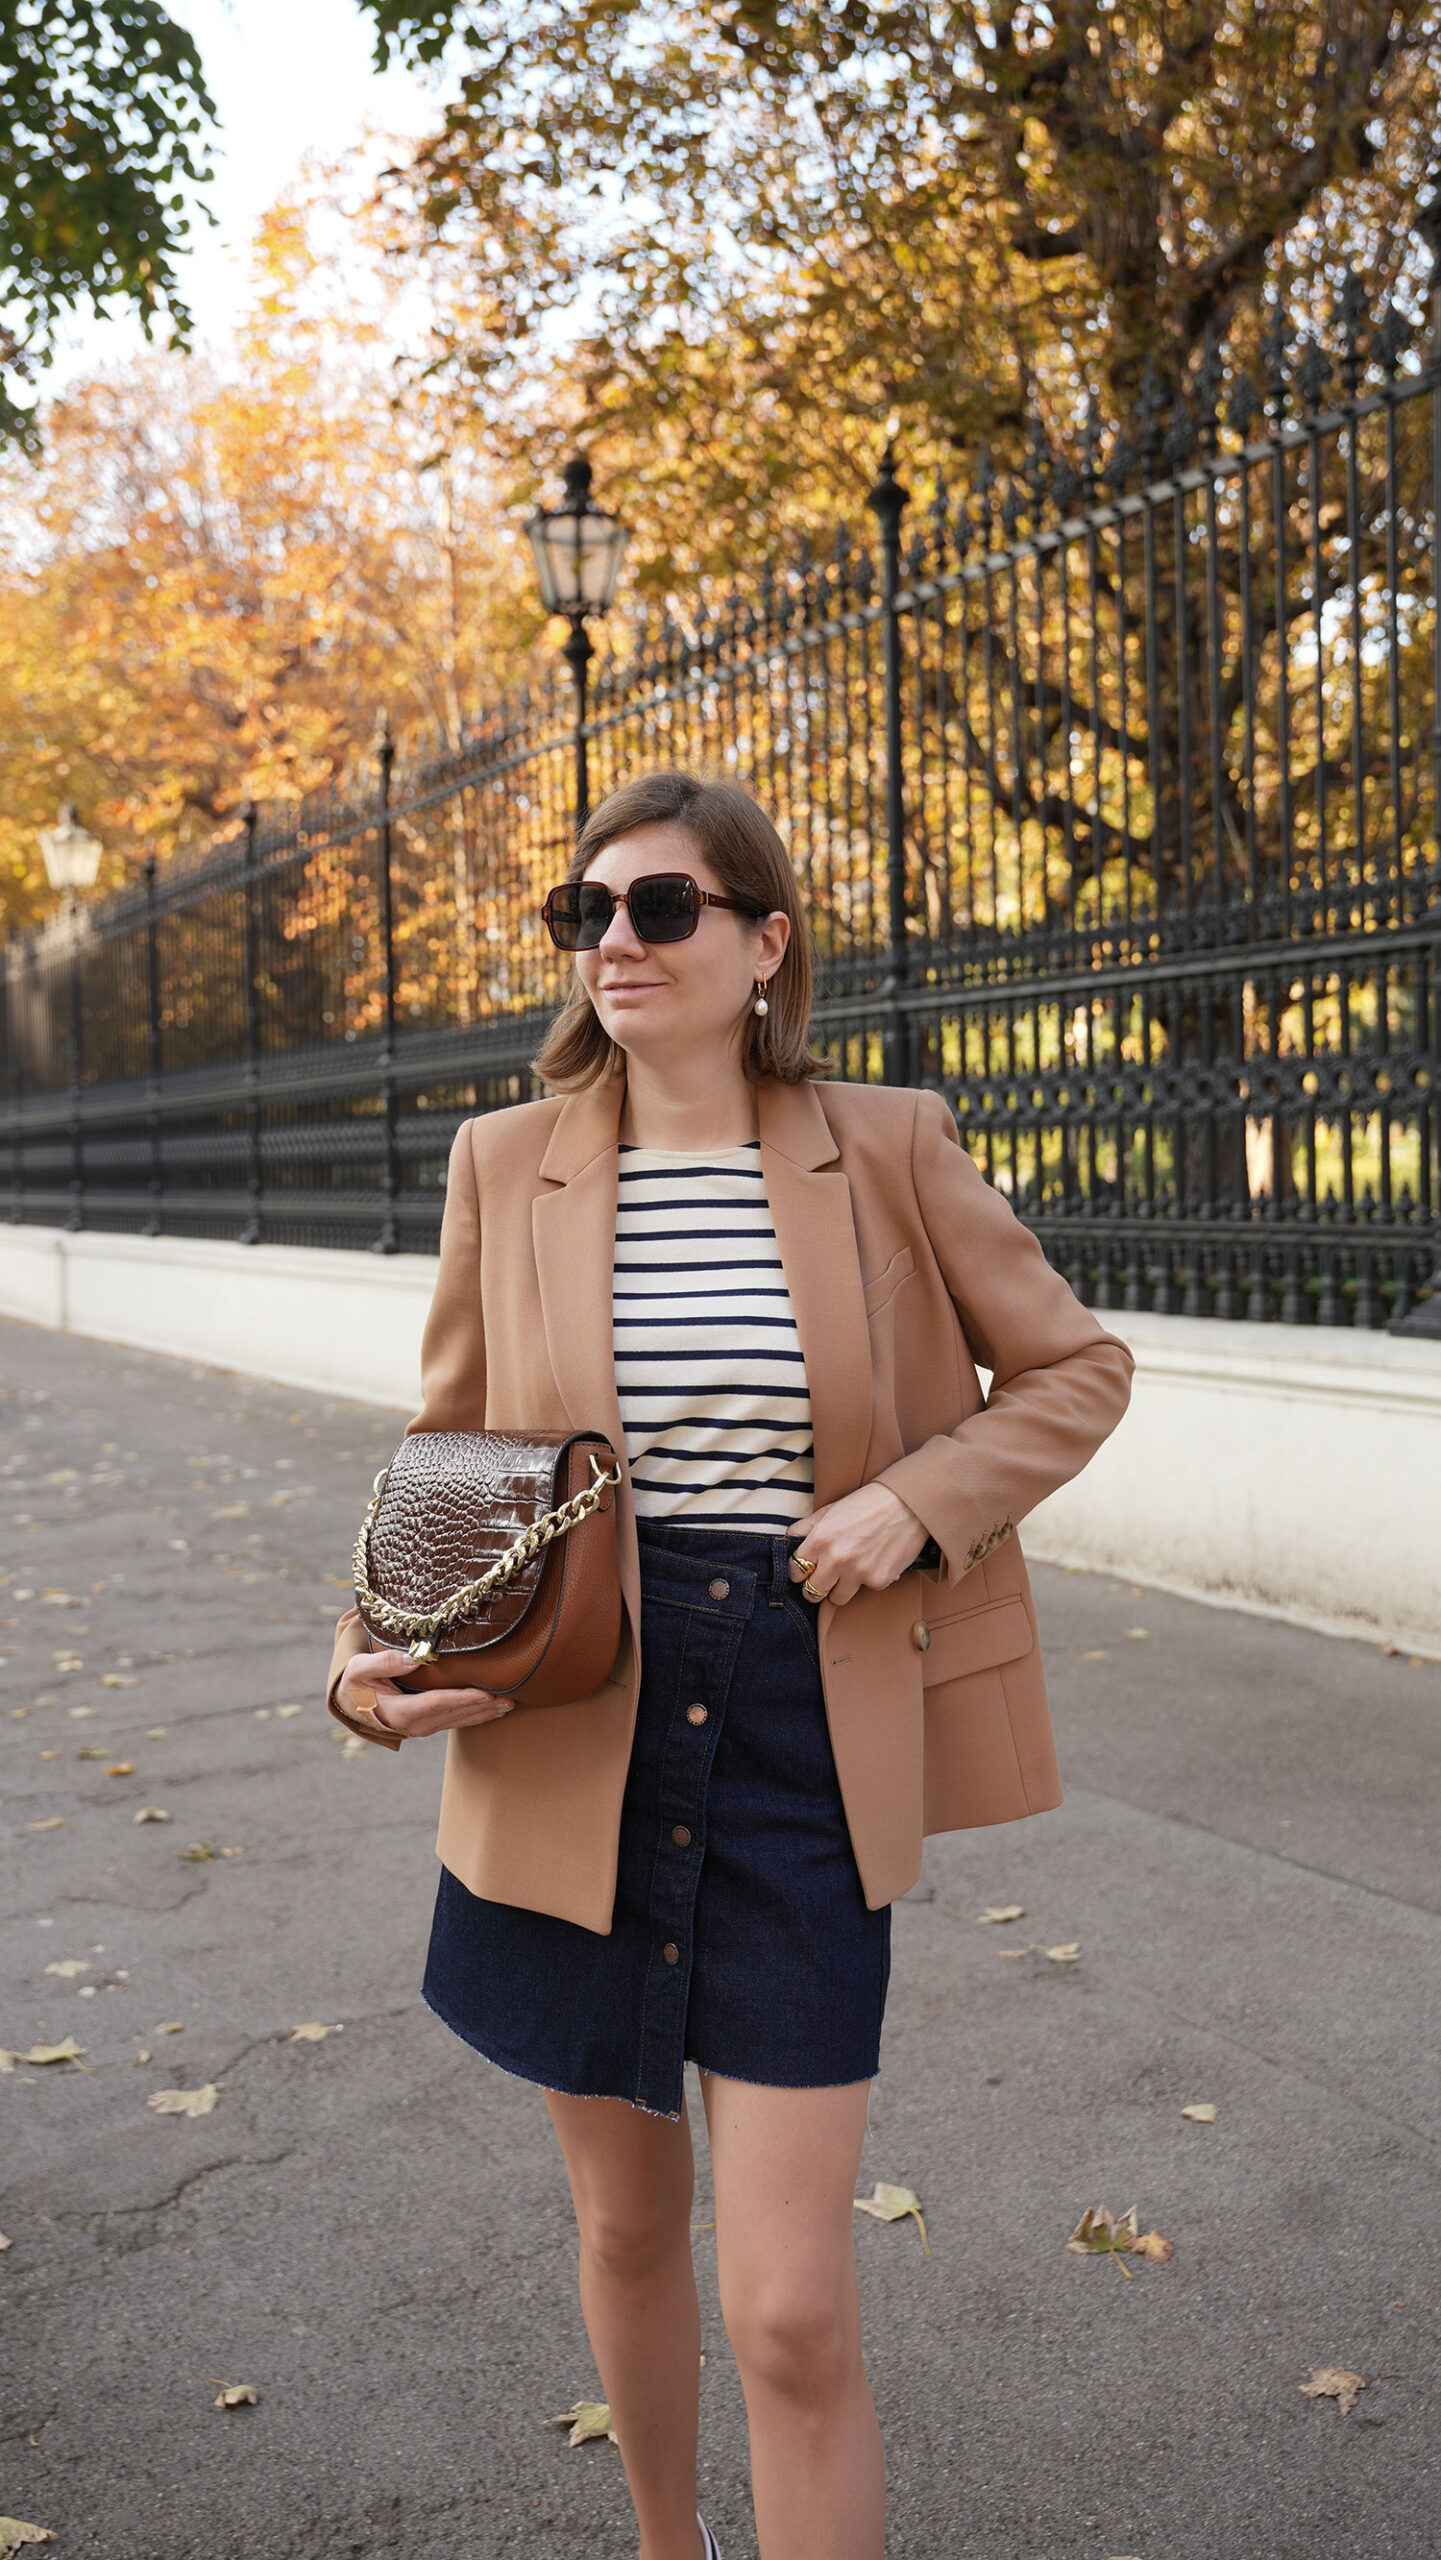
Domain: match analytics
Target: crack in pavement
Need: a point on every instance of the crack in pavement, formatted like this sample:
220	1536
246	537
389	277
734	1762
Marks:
167	2203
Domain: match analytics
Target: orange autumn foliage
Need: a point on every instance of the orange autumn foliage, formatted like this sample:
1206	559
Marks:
217	575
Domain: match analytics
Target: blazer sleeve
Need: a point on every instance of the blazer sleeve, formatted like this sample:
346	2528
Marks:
452	1368
1060	1382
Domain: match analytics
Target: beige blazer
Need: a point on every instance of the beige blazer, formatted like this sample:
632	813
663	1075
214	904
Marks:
905	1269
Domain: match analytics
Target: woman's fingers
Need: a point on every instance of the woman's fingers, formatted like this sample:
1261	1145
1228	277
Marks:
369	1683
861	1543
426	1711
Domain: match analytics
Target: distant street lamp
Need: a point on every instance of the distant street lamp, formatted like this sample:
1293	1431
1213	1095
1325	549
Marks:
72	858
578	550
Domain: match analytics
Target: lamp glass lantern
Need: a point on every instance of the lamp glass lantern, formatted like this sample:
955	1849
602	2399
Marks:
578	549
72	857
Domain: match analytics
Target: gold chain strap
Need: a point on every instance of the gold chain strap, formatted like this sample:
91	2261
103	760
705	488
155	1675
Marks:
429	1624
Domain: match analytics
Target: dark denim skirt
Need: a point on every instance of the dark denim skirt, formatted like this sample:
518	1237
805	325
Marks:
741	1939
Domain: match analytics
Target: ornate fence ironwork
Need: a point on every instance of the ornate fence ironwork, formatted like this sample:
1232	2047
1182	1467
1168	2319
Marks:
1114	789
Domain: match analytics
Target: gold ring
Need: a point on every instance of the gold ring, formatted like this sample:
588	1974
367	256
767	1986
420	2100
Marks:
807	1566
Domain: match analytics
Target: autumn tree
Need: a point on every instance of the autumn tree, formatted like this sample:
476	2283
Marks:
103	112
219	574
767	226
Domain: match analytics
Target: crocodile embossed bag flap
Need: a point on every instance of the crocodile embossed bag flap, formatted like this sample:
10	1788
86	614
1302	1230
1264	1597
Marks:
491	1559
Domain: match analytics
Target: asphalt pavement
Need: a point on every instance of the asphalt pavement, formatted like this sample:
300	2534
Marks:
371	2228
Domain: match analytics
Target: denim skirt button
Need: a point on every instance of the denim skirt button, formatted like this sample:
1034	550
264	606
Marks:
720	1589
671	1952
695	1714
681	1836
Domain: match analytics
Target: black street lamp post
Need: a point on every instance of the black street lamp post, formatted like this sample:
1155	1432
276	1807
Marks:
578	550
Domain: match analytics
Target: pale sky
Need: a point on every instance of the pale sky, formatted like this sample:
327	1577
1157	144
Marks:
287	77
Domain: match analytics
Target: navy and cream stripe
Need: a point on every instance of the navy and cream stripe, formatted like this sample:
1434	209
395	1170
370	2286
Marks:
708	1362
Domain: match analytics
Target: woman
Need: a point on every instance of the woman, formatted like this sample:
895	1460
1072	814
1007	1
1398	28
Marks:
771	1295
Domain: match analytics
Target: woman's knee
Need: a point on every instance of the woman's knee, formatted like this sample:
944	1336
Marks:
628	2239
795	2332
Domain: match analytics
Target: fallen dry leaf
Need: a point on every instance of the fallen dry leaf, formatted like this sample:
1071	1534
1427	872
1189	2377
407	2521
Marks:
77	1715
1004	1911
185	2102
1013	1955
235	2395
14	2534
1100	2234
143	2055
69	2051
55	1755
92	1751
172	2027
1138	1631
589	2423
52	1822
354	1746
1201	2113
69	1966
312	2033
121	1769
151	1813
4	2243
1099	1655
117	1680
1070	1953
290	1711
1154	2246
892	2204
1333	2382
198	1850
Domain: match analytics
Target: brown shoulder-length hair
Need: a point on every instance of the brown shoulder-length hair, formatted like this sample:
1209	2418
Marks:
748	858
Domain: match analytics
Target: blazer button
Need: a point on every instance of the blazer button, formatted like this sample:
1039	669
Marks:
671	1952
696	1714
720	1589
681	1836
921	1636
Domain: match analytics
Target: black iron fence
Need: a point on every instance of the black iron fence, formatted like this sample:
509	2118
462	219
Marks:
1114	789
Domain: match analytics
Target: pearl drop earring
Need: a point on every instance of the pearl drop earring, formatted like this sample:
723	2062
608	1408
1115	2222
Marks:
761	1005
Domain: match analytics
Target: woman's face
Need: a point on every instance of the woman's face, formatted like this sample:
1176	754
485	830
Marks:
669	998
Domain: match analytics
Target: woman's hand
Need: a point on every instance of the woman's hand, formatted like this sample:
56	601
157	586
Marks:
368	1682
864	1542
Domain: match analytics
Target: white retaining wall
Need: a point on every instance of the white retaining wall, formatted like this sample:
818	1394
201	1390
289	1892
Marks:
1292	1471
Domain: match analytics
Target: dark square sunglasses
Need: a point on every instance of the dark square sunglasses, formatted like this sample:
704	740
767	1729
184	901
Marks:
664	906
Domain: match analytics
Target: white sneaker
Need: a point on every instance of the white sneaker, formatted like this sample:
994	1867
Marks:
712	2547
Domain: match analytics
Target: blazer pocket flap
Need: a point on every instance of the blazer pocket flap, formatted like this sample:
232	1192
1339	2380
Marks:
885	1283
978	1640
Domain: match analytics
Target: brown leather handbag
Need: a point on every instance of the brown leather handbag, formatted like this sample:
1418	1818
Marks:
491	1559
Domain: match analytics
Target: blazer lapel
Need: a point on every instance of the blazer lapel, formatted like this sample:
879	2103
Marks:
573	1231
816	1234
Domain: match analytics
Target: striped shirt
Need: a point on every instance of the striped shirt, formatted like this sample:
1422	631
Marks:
708	1362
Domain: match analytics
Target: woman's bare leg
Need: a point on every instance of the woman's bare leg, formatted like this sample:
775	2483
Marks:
784	2162
632	2177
